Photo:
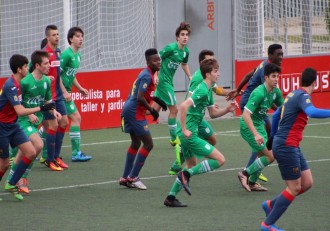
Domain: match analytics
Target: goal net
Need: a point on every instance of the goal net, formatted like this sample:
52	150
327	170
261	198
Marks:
117	32
301	26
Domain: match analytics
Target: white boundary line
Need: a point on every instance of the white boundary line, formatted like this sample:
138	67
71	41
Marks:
165	176
144	178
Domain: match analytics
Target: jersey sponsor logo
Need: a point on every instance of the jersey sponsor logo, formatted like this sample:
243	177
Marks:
71	72
176	53
29	129
173	65
55	63
35	100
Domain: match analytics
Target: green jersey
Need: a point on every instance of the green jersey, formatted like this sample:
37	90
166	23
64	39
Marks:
171	57
70	63
35	93
196	79
260	101
201	97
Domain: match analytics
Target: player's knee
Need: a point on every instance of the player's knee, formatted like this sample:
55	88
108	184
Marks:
31	154
64	122
149	146
212	140
221	160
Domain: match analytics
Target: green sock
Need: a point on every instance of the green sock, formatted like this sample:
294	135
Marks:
27	171
75	139
43	134
203	167
258	165
176	187
172	126
11	171
254	177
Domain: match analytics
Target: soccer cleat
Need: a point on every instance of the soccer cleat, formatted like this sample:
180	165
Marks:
184	178
60	162
14	190
257	187
173	202
123	182
53	165
263	178
135	183
243	179
80	157
22	186
42	160
265	227
266	207
175	142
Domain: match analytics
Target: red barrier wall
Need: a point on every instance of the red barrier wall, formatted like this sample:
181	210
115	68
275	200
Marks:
108	91
290	76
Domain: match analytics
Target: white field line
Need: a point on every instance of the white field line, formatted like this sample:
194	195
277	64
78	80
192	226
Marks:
165	176
144	178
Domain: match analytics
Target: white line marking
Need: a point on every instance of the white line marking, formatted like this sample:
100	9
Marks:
144	178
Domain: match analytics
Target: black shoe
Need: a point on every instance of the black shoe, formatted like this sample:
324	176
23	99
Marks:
184	178
173	202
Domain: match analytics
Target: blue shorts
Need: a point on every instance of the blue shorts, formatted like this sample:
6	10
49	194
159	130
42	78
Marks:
291	161
133	126
60	107
10	134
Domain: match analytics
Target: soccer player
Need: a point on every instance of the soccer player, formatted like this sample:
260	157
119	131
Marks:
254	79
10	131
53	131
35	89
172	56
193	147
205	130
291	161
70	62
134	121
252	126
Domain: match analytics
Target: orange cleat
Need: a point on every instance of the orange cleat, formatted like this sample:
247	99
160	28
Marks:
22	186
60	162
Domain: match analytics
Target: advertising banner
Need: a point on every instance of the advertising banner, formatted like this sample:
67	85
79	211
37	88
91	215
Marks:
291	73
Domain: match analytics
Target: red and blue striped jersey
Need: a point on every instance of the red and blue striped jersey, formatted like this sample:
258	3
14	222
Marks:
55	71
10	96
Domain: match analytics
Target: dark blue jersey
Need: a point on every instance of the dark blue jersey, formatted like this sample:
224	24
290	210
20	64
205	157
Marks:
10	95
257	79
293	118
144	83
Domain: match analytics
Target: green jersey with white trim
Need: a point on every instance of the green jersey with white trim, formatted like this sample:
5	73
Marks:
70	63
196	79
201	97
171	57
260	101
35	93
